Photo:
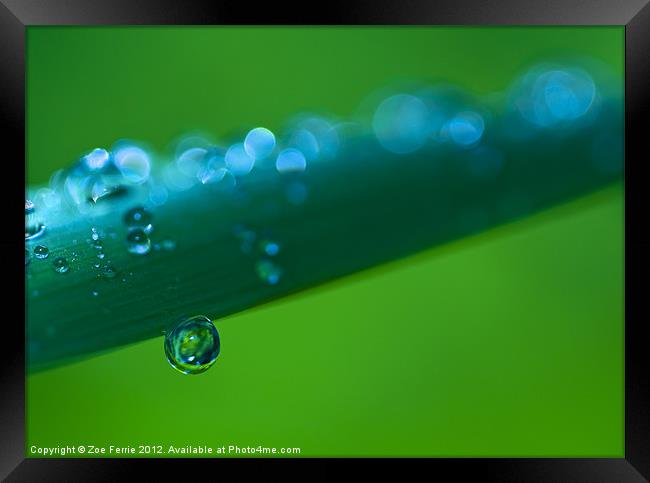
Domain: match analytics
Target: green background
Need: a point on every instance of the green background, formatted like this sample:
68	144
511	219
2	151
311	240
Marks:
505	344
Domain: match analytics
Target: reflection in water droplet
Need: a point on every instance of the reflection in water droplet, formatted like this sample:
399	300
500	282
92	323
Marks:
138	242
108	271
268	271
60	265
41	252
101	255
193	345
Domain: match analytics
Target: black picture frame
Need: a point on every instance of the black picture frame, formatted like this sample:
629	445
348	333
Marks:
16	15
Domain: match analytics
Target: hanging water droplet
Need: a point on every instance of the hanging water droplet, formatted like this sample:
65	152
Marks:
138	242
193	345
41	252
268	271
60	265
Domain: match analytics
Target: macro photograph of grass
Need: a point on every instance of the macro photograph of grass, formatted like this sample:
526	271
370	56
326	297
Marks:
325	241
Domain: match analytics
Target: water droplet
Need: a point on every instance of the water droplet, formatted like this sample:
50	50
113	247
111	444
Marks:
133	163
268	271
101	255
108	271
96	159
401	123
29	207
41	252
95	235
98	245
60	265
138	217
94	293
466	128
138	242
269	247
259	143
193	345
238	161
290	160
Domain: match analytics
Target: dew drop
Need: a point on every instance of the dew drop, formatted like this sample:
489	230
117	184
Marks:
138	217
268	272
138	242
60	265
41	252
94	293
193	345
269	247
108	272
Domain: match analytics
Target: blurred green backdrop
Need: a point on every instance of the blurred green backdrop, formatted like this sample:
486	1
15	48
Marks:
505	344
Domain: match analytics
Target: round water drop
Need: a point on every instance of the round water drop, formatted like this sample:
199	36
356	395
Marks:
290	160
138	242
401	123
466	128
191	161
268	271
138	217
96	159
41	252
134	164
238	161
269	248
29	207
60	265
568	95
193	345
259	143
94	293
108	271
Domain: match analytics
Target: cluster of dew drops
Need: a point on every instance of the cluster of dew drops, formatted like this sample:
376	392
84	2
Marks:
544	98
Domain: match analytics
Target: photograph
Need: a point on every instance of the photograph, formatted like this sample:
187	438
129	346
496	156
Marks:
336	240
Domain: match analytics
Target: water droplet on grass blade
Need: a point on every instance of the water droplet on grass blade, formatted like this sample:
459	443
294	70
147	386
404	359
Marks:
193	345
41	252
138	242
61	265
